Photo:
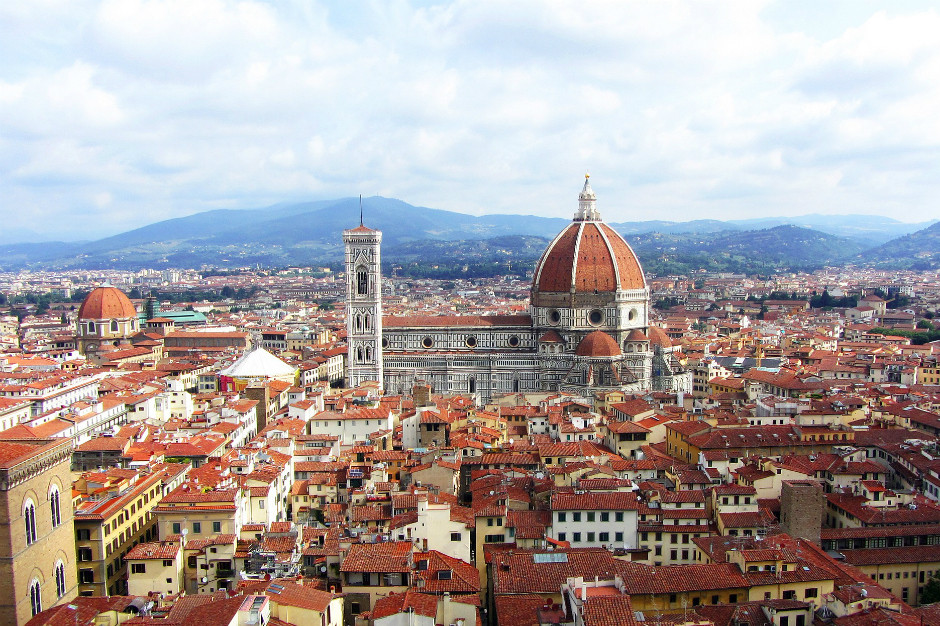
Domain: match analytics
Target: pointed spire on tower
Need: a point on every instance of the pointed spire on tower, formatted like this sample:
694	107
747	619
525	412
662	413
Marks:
360	210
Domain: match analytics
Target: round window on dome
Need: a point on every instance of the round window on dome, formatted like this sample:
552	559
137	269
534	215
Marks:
427	342
554	316
513	341
596	316
471	341
631	315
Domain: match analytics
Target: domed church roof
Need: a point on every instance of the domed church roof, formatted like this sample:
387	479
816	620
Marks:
598	344
105	303
588	256
658	337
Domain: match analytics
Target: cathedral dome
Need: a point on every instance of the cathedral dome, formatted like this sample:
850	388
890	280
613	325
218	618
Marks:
106	303
598	344
588	256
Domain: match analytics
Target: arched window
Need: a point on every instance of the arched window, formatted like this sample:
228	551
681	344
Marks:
358	323
367	322
91	328
359	354
369	354
35	596
114	326
362	281
55	507
60	579
472	385
29	515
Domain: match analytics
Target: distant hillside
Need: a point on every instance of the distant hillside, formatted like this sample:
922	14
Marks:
311	232
749	251
919	250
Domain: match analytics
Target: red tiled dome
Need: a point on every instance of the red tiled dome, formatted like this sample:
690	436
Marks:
636	335
658	337
598	344
588	256
105	303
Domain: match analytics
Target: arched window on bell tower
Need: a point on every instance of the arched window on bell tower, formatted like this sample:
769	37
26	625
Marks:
362	281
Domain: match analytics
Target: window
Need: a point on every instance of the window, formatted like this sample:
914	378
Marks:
456	536
29	515
789	594
86	576
618	537
562	516
590	537
84	554
260	504
35	597
605	516
618	516
138	568
197	528
733	598
216	527
60	579
604	537
590	516
177	528
811	592
715	599
561	536
576	516
362	281
54	506
489	521
576	538
82	534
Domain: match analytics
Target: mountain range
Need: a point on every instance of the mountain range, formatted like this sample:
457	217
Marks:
311	233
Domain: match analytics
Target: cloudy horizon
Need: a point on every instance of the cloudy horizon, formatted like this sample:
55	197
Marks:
119	113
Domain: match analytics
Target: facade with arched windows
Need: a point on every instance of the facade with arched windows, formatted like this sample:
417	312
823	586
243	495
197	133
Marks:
37	540
587	329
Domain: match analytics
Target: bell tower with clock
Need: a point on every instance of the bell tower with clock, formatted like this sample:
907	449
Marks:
363	305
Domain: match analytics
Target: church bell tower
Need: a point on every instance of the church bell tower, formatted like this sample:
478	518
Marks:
363	305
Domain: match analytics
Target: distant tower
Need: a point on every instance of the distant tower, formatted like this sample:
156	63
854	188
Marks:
363	305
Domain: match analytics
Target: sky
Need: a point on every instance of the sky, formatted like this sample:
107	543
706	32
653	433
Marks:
119	113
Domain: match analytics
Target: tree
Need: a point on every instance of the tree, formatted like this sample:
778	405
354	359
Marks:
228	293
925	324
931	592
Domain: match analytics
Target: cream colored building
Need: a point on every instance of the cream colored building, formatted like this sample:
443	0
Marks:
155	567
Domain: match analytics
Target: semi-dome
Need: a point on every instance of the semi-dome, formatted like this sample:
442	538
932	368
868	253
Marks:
106	303
598	344
588	256
658	337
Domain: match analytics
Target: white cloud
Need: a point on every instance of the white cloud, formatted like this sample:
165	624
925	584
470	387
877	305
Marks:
679	109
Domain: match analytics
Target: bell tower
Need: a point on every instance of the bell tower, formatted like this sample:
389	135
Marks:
363	305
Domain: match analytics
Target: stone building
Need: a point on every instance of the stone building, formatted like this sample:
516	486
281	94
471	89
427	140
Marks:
587	329
37	547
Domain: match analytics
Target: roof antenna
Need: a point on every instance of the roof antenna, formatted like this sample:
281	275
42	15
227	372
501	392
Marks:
360	209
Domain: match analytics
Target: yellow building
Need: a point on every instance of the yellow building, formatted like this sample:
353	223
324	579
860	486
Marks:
37	555
113	513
